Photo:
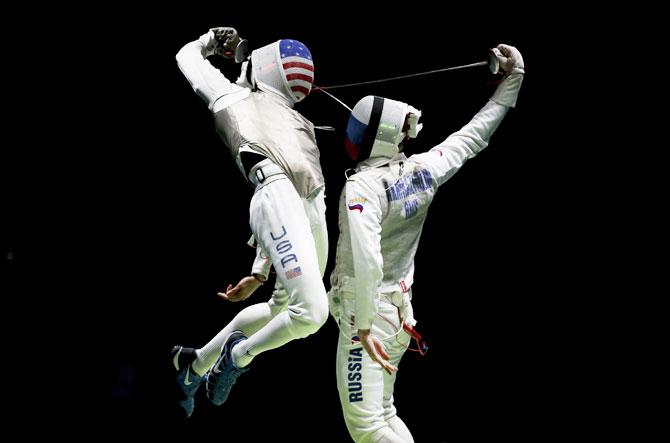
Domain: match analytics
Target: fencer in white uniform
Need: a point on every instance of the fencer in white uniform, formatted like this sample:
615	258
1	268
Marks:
275	149
382	210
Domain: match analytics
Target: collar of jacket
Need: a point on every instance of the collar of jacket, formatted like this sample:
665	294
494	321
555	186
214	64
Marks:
378	162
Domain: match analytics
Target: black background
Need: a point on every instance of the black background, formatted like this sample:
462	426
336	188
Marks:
127	214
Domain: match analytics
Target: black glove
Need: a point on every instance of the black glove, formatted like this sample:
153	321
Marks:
229	44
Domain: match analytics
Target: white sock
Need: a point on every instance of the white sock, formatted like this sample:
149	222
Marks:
277	332
264	331
249	320
240	354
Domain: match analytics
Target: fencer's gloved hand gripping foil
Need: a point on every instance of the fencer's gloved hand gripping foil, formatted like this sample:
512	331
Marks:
226	42
509	58
230	45
511	62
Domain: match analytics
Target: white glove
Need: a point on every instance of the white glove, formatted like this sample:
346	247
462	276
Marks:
511	63
509	58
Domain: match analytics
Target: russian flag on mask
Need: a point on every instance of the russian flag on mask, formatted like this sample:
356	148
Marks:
298	67
354	136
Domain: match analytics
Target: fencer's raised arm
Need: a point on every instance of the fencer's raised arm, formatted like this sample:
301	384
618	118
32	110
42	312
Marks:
365	230
207	81
445	159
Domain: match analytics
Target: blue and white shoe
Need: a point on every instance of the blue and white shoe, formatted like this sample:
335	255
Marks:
188	381
224	373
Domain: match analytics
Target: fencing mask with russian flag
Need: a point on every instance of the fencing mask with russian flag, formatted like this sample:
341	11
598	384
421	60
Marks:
285	68
377	126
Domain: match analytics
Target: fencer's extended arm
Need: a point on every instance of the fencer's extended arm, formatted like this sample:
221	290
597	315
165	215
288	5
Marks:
364	217
207	81
446	158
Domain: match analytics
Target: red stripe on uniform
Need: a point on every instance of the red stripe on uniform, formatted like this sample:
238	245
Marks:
298	65
305	77
302	89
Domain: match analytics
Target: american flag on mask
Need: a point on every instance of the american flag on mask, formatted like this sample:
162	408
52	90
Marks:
298	67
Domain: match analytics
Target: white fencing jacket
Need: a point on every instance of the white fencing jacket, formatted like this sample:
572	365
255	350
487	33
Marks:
382	209
261	121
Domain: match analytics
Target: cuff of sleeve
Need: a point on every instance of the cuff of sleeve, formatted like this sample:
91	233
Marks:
507	92
362	323
262	268
208	43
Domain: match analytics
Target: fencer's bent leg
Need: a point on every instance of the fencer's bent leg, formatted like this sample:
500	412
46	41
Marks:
249	321
280	225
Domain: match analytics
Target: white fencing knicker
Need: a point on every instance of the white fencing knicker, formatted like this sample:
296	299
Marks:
292	232
365	388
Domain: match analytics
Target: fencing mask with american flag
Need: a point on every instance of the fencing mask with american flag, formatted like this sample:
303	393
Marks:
284	67
377	126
